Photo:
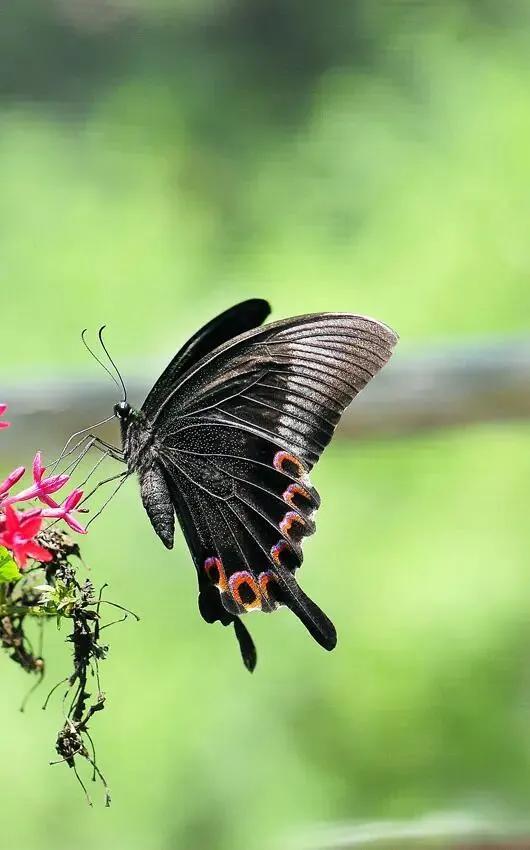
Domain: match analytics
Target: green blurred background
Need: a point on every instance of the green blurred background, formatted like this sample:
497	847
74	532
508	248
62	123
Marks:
161	160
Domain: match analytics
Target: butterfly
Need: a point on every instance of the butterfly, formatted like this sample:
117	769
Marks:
226	440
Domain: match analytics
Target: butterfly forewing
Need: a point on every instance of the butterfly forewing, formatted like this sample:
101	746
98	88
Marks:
238	319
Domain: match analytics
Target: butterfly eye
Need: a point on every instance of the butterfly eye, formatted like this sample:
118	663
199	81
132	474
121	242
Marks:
122	410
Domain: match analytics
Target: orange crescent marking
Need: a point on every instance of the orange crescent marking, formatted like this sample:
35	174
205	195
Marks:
264	581
277	550
291	518
282	457
296	490
216	563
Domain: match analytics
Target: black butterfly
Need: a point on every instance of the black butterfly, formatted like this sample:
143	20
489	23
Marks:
226	440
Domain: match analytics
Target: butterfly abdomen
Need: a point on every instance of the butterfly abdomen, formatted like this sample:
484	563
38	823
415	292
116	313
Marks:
140	455
157	502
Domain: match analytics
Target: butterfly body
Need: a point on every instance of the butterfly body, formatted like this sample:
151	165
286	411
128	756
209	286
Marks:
226	439
140	455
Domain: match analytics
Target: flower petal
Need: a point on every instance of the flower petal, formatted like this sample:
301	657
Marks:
30	525
12	479
73	500
39	490
39	553
38	468
24	495
12	522
3	408
47	500
74	524
19	554
53	483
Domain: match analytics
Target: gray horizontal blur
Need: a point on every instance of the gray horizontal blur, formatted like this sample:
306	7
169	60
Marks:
430	388
449	831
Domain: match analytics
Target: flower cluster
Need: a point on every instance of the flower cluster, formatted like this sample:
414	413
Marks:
19	529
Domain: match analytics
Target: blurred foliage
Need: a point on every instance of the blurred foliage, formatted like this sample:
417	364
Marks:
8	569
193	183
161	160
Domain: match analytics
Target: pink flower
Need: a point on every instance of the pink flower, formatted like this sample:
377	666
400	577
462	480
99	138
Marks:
17	535
41	487
11	479
64	511
3	408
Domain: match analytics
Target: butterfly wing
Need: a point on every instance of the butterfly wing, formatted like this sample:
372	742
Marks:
236	437
238	319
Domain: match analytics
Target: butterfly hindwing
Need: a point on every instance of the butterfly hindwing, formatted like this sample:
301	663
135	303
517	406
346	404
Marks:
200	541
246	546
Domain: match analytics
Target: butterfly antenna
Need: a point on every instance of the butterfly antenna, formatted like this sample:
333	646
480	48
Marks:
85	343
105	349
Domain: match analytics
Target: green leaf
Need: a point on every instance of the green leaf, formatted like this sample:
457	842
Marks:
8	569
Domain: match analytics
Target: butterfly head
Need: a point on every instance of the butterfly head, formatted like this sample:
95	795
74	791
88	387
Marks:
122	411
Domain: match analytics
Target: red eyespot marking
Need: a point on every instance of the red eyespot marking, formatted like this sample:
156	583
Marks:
289	464
215	571
267	583
283	555
298	497
293	526
245	591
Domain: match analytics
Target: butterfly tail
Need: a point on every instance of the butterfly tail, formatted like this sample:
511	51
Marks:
210	606
246	645
316	622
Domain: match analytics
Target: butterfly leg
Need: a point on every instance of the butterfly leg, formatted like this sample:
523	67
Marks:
122	475
72	466
84	444
88	436
96	466
90	442
113	451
